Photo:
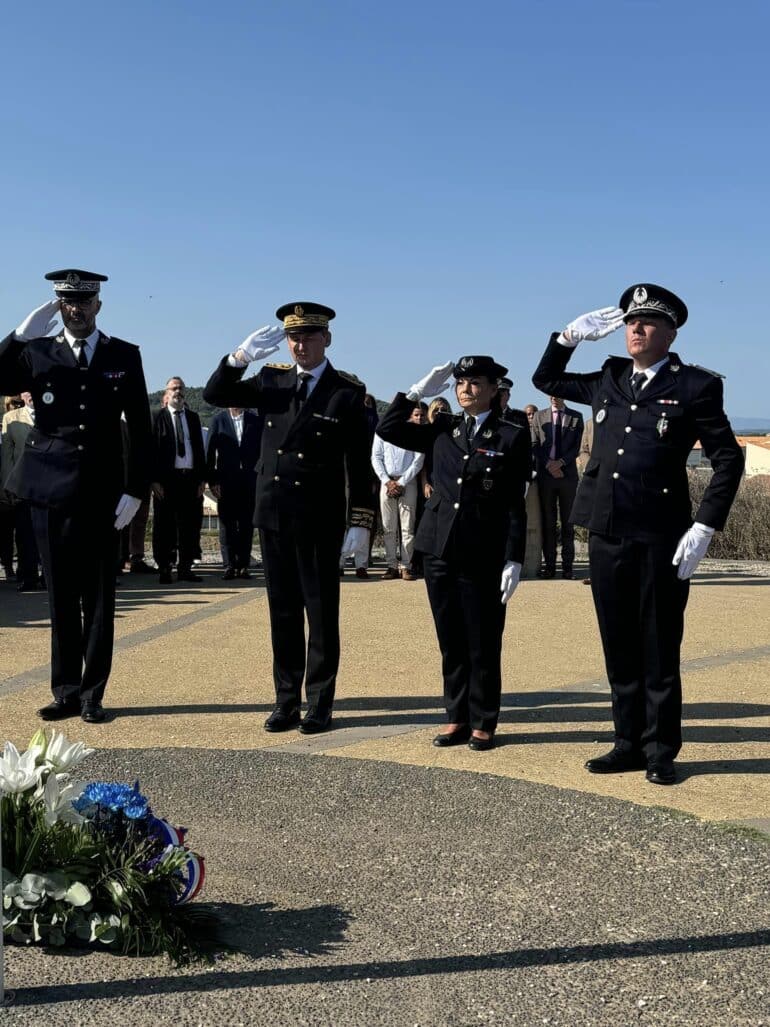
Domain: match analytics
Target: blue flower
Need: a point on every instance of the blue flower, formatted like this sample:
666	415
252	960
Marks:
118	798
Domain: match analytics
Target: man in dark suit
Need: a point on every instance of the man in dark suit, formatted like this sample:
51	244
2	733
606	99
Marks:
231	471
472	534
72	474
557	431
633	497
178	476
314	439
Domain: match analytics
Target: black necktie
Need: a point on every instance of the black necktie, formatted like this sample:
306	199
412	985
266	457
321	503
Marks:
557	436
470	427
82	359
637	382
301	394
179	431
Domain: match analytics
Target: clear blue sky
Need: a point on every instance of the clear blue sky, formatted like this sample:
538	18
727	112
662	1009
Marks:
452	178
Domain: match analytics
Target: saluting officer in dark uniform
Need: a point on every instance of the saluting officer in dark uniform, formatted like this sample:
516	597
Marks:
73	474
472	534
315	432
648	411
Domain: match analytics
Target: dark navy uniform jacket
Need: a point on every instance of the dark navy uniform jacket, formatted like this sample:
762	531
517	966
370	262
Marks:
306	457
75	451
635	483
477	506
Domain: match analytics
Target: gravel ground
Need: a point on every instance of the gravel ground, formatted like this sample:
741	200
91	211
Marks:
363	893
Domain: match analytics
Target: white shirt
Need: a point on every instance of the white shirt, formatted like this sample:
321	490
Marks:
315	373
650	372
391	462
182	463
237	420
90	341
480	418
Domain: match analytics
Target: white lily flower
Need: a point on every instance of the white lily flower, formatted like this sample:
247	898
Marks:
62	755
58	797
18	773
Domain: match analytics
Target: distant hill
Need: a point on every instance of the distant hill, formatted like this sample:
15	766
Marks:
750	425
195	401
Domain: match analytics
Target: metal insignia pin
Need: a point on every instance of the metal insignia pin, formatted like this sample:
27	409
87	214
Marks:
47	397
456	433
487	434
662	426
600	416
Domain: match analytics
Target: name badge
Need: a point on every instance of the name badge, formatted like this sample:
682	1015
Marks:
600	416
323	417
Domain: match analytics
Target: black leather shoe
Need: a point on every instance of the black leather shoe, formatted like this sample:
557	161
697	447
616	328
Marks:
230	574
457	737
188	576
543	573
58	710
661	773
617	761
314	722
93	713
282	719
567	575
141	567
481	744
243	573
165	578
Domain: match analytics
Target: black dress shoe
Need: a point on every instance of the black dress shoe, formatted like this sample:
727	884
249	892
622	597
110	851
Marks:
661	773
93	713
314	722
617	761
59	710
481	744
141	567
282	719
165	578
230	573
188	576
457	737
567	575
243	573
546	574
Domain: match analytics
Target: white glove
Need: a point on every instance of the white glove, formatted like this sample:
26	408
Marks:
356	541
691	549
125	510
260	344
509	580
592	326
40	322
432	384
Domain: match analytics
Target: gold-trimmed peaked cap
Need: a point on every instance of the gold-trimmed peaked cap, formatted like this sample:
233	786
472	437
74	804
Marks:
646	298
71	281
304	317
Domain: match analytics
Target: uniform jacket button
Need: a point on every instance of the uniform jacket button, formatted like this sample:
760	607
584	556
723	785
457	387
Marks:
665	490
615	474
297	483
466	457
459	481
82	427
81	447
270	424
82	406
628	428
457	506
82	388
634	406
621	452
279	452
276	478
300	456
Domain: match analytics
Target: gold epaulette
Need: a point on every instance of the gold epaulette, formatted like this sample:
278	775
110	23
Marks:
349	376
279	367
360	517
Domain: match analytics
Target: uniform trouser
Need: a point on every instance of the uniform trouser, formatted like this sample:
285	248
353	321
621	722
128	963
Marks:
469	618
236	521
640	606
394	511
301	564
176	523
28	555
556	498
78	549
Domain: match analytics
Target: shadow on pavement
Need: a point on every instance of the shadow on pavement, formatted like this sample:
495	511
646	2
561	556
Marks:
515	959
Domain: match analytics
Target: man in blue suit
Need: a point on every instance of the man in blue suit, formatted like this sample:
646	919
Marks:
235	436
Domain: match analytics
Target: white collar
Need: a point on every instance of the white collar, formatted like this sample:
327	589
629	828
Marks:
652	370
91	339
315	372
479	418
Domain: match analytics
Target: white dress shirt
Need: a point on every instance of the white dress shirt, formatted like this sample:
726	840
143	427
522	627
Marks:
182	463
315	373
90	343
237	420
650	372
391	462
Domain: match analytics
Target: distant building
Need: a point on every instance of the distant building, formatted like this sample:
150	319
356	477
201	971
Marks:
756	449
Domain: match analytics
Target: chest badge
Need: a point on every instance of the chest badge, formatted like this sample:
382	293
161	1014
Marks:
600	416
47	398
486	484
662	426
487	434
456	433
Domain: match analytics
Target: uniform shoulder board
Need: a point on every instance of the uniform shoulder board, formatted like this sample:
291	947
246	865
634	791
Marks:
708	370
350	377
279	367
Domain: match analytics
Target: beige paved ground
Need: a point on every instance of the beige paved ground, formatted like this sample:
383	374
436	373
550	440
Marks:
192	669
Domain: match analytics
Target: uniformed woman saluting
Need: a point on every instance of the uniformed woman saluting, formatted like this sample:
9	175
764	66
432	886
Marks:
472	534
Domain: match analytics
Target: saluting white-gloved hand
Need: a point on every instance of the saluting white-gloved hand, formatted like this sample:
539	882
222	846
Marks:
432	384
126	510
40	322
509	580
356	541
592	326
691	549
260	344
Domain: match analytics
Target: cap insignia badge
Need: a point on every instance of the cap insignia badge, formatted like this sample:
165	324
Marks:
600	416
640	294
73	279
466	362
299	311
47	398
